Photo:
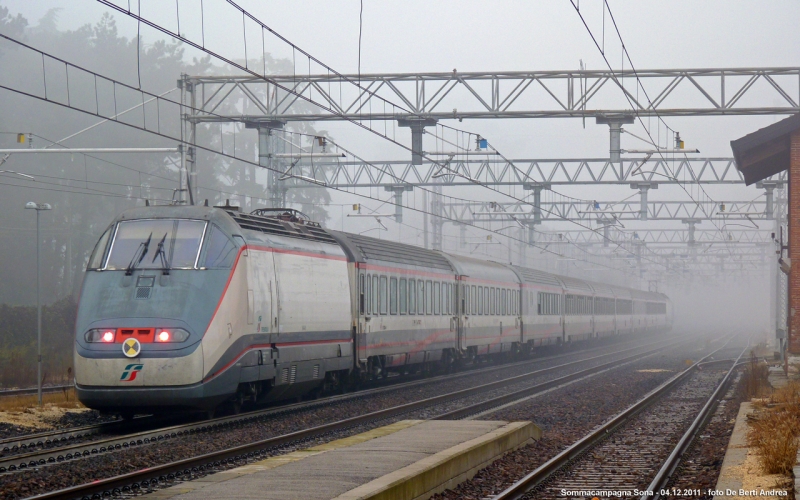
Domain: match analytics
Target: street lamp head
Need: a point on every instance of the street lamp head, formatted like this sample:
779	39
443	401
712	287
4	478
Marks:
38	206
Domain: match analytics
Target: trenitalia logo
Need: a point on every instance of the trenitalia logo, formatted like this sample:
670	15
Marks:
129	375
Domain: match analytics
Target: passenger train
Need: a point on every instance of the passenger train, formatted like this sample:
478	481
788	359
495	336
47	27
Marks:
194	307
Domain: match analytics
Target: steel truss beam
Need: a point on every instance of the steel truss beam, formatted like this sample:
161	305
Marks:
603	212
499	172
659	236
515	94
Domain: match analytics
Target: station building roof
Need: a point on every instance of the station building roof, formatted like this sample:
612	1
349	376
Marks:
765	152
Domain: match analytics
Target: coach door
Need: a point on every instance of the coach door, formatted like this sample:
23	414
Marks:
461	311
363	304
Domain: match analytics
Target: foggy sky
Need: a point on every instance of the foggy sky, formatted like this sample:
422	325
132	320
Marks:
416	36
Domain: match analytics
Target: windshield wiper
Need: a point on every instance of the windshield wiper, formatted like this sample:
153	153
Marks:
160	252
141	251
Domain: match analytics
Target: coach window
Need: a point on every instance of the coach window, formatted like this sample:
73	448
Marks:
480	300
428	297
412	297
450	299
473	300
375	293
368	293
393	296
437	289
464	300
361	294
402	296
421	297
445	298
502	302
383	296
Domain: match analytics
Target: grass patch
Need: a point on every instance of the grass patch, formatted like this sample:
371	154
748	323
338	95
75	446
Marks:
774	431
63	399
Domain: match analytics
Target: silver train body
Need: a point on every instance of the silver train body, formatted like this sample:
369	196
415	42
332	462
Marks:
227	306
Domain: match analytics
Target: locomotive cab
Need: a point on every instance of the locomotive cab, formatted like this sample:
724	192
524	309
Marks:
149	292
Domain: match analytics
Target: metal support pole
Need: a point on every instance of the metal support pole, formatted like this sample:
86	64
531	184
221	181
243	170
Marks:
606	223
643	188
182	176
417	126
769	187
268	147
38	315
194	190
38	207
769	213
692	223
615	130
537	199
425	219
398	199
437	210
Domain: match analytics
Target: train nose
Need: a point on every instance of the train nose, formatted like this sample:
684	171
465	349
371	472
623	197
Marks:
121	356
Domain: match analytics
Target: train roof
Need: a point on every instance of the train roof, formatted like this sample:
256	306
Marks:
538	277
479	269
289	227
373	250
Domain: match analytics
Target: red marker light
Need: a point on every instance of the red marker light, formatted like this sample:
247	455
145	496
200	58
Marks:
163	336
108	336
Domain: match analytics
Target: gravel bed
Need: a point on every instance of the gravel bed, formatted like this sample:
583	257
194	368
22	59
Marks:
565	416
68	420
34	481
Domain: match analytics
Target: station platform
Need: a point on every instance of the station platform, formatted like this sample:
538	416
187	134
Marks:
410	459
741	475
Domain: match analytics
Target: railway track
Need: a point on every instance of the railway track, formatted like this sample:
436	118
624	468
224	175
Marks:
228	457
30	450
638	450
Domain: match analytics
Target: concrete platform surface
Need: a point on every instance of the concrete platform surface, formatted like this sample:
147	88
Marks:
410	459
730	474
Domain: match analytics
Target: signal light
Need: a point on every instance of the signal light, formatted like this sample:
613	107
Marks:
100	335
173	335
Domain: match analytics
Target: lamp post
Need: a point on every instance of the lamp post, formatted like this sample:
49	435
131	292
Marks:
38	207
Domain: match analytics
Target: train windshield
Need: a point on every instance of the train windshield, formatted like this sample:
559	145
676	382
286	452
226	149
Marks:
156	244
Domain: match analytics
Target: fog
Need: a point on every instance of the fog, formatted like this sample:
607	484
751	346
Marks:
410	36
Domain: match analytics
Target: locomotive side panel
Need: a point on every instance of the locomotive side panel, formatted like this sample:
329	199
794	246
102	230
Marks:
313	316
